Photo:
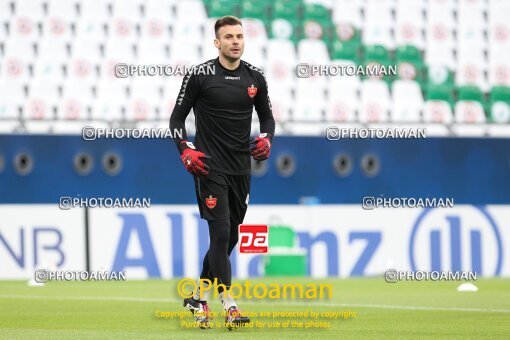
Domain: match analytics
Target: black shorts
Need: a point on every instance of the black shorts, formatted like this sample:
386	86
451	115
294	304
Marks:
221	195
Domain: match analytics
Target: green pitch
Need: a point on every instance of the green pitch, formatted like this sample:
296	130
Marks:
85	310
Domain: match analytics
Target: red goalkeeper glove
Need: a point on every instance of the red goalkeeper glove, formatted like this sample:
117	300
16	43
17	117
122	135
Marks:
261	147
192	159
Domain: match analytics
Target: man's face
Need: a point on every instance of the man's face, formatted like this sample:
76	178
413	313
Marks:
230	42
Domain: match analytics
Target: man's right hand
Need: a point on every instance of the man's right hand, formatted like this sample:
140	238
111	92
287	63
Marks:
192	160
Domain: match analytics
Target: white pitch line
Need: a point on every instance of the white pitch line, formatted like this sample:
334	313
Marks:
316	304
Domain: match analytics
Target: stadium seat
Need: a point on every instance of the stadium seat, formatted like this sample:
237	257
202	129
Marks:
254	54
88	49
281	101
259	10
24	27
154	29
184	31
343	100
184	8
348	11
127	8
122	29
499	70
471	72
409	32
158	10
309	104
469	108
76	100
62	9
90	30
407	101
409	63
14	69
281	62
255	31
219	8
313	51
151	52
53	50
41	101
22	49
438	105
33	9
346	51
500	104
82	70
13	96
282	28
5	11
111	97
375	101
57	29
143	101
120	50
96	10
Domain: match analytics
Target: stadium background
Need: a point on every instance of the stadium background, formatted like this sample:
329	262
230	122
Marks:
56	76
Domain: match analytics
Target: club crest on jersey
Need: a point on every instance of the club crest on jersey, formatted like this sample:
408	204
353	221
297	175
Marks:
210	202
252	91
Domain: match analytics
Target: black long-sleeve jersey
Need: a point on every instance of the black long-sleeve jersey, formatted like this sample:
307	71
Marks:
223	106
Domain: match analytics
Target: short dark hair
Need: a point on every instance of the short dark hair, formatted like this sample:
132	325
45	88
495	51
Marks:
227	20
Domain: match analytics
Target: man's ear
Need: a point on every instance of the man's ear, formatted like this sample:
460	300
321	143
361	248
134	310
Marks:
217	43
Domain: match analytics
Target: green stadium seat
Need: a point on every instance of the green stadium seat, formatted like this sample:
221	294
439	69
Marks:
499	101
316	12
259	10
287	9
439	75
410	64
317	29
378	55
285	29
440	92
219	8
347	32
346	51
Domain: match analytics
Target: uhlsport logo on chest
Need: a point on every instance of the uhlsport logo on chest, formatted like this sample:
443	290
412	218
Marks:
252	91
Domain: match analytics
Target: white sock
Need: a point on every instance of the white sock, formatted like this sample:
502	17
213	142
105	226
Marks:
201	296
227	300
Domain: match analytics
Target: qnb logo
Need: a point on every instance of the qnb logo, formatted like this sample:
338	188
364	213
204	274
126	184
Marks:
253	238
464	238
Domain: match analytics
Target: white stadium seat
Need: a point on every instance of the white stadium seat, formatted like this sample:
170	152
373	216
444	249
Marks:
348	11
312	51
468	111
437	111
63	9
375	101
24	27
57	29
343	100
22	49
96	10
11	99
14	69
41	101
143	101
77	98
407	101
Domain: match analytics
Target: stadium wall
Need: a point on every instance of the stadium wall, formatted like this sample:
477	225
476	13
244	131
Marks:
341	239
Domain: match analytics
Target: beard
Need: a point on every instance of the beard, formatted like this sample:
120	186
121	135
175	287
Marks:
231	58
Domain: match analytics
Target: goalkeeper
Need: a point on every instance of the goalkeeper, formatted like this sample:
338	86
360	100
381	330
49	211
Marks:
220	158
